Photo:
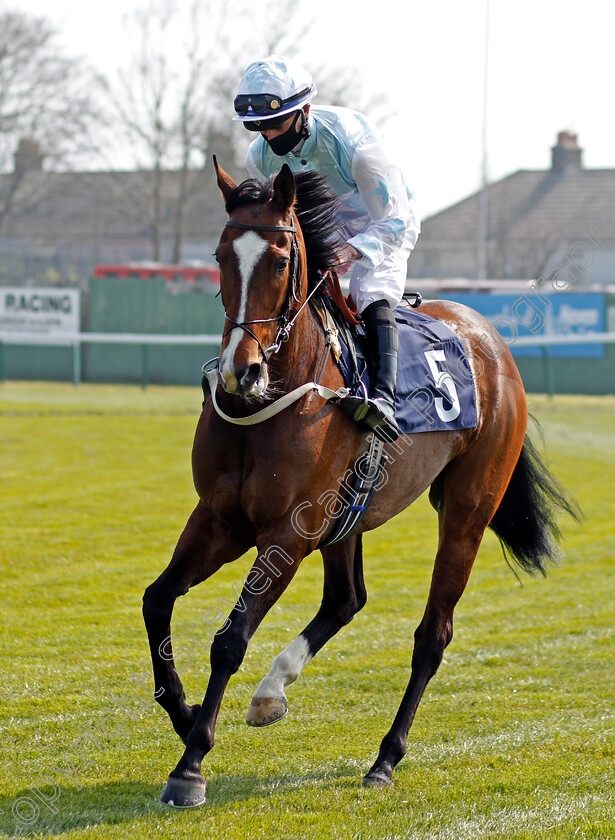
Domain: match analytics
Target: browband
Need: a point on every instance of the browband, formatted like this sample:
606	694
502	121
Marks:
288	228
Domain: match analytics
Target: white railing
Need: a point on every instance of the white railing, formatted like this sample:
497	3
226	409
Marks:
550	340
146	340
75	340
69	339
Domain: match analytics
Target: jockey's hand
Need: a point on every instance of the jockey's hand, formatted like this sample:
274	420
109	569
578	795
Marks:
346	255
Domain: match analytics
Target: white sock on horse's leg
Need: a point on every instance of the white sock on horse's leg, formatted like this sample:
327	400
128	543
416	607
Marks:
269	700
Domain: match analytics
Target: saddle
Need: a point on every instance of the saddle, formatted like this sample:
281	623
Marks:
350	327
345	307
435	383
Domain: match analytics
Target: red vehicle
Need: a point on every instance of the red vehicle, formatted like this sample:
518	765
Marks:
188	273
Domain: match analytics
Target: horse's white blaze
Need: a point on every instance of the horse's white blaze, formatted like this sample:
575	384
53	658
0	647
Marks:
285	669
249	248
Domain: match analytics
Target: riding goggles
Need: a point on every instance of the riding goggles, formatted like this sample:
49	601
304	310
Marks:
265	104
264	125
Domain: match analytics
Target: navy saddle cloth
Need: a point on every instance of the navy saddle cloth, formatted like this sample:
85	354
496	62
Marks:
435	386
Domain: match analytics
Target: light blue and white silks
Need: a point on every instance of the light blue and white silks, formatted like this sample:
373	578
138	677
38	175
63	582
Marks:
378	214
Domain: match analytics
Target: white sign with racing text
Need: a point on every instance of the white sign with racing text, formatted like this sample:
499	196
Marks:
44	311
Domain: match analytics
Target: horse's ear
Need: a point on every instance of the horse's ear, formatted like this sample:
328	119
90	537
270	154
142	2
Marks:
225	182
284	189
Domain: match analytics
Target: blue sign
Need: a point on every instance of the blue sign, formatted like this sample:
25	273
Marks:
538	314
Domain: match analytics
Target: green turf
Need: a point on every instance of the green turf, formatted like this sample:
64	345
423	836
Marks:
513	739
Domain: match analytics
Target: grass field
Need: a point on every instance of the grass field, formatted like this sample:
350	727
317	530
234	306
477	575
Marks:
515	735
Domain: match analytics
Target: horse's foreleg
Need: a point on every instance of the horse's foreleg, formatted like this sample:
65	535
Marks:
263	585
343	596
201	550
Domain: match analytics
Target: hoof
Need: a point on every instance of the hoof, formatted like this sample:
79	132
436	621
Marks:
377	780
266	710
184	793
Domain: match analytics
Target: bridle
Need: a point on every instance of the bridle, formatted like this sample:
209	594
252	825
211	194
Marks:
286	323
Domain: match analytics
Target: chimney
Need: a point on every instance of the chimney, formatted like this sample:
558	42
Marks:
566	155
28	157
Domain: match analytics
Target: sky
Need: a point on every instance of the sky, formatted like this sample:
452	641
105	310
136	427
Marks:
550	67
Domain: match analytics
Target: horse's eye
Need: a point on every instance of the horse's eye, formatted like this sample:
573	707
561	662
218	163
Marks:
281	264
216	257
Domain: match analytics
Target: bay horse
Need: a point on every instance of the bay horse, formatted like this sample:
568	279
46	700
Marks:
269	484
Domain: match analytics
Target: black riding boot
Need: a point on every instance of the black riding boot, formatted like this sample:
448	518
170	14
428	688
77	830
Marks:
378	412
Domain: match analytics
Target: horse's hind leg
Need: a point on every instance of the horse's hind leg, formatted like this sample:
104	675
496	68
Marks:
466	495
343	596
201	550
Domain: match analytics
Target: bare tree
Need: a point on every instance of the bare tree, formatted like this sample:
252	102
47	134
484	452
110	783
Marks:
140	101
45	99
345	86
163	102
174	98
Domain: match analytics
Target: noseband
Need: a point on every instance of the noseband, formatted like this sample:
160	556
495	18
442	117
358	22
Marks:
294	293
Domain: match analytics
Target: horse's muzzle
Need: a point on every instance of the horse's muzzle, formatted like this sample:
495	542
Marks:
248	381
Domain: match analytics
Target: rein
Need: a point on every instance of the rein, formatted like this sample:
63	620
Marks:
275	407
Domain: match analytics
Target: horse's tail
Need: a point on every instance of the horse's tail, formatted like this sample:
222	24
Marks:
525	522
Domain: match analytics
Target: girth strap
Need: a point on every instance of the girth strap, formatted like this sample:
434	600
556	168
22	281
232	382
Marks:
358	497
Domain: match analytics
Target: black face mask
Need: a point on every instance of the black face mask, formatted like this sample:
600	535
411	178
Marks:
284	143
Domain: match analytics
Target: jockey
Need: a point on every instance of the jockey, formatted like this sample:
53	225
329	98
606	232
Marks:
378	221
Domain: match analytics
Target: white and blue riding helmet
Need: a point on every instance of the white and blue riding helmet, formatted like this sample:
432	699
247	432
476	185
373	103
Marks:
270	90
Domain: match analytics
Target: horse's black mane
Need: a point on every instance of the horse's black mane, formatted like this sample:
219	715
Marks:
316	209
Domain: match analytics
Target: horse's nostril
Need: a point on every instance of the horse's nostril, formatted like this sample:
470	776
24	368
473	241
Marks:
248	375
